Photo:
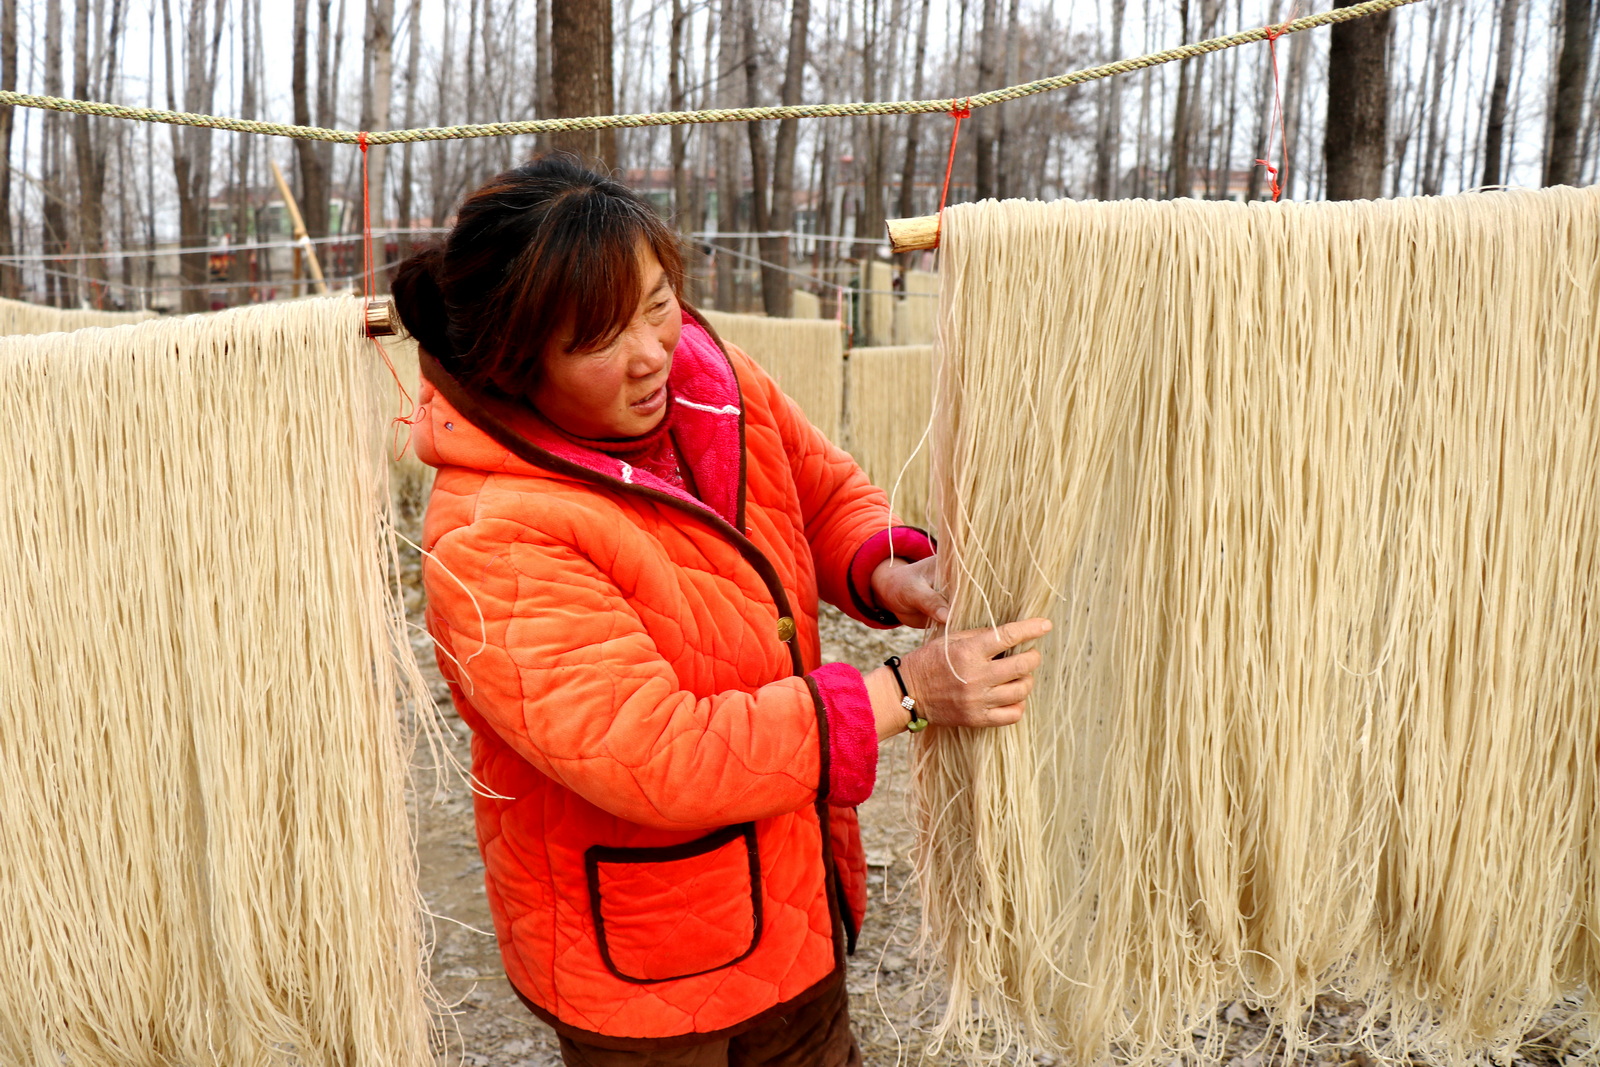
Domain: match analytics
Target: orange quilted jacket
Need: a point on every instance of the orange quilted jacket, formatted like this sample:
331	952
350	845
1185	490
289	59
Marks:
668	770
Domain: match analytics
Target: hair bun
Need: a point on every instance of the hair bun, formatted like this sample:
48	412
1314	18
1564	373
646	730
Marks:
421	302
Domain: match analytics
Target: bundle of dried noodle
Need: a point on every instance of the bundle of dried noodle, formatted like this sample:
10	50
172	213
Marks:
876	311
890	399
411	479
18	317
205	853
1310	492
916	311
804	356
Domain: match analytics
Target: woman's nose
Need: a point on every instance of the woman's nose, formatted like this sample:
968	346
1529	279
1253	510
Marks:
649	356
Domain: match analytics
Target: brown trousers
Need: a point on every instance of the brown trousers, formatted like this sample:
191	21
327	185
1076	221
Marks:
816	1034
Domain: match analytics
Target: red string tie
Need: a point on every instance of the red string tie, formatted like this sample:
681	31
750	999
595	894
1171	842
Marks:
1272	33
369	284
957	113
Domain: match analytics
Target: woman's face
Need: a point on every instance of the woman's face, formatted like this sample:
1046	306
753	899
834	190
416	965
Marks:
619	390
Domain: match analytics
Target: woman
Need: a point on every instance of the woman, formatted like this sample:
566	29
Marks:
627	537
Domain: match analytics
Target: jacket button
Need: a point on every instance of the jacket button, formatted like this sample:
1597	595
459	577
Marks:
786	629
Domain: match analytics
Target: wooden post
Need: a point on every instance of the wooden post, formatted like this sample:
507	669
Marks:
913	235
299	229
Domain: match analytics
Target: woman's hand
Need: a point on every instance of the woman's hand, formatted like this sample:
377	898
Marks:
961	679
906	589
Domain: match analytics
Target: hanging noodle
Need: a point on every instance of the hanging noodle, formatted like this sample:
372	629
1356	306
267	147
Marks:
1310	492
18	317
891	397
916	313
806	304
205	855
877	307
804	356
411	479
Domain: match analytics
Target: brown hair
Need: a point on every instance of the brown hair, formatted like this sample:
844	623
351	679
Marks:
542	247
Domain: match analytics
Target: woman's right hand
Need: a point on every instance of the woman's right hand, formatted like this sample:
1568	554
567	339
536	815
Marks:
961	678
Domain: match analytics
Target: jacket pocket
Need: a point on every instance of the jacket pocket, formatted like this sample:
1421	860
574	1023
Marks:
679	911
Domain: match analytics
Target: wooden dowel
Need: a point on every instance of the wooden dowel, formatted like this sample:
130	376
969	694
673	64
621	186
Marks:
382	319
913	235
299	225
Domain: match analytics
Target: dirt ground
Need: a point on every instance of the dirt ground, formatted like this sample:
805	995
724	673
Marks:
895	996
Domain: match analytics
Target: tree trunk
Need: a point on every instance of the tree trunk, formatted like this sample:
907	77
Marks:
313	168
380	60
1494	133
413	62
908	168
580	46
1178	177
776	286
1109	137
983	131
678	145
239	269
1005	169
1438	34
1358	107
61	289
755	135
90	162
727	155
1572	74
8	81
541	80
191	145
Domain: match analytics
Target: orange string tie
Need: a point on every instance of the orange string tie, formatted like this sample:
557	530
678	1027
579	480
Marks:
369	283
957	113
1272	33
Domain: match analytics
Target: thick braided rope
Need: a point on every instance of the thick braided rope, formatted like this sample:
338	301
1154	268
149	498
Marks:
680	118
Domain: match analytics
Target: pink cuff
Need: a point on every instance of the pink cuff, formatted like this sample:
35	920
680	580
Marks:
902	542
852	733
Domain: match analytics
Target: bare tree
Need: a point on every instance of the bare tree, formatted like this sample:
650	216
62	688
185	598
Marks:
380	65
677	61
983	131
754	135
1178	178
1572	75
413	57
1109	137
313	166
1358	107
580	47
191	145
1438	34
908	168
775	284
8	82
54	211
1494	134
727	154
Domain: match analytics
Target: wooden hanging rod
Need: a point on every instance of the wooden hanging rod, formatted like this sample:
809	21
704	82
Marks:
382	319
913	235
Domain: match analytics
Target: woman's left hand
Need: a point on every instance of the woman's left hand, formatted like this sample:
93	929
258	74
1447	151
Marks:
907	590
